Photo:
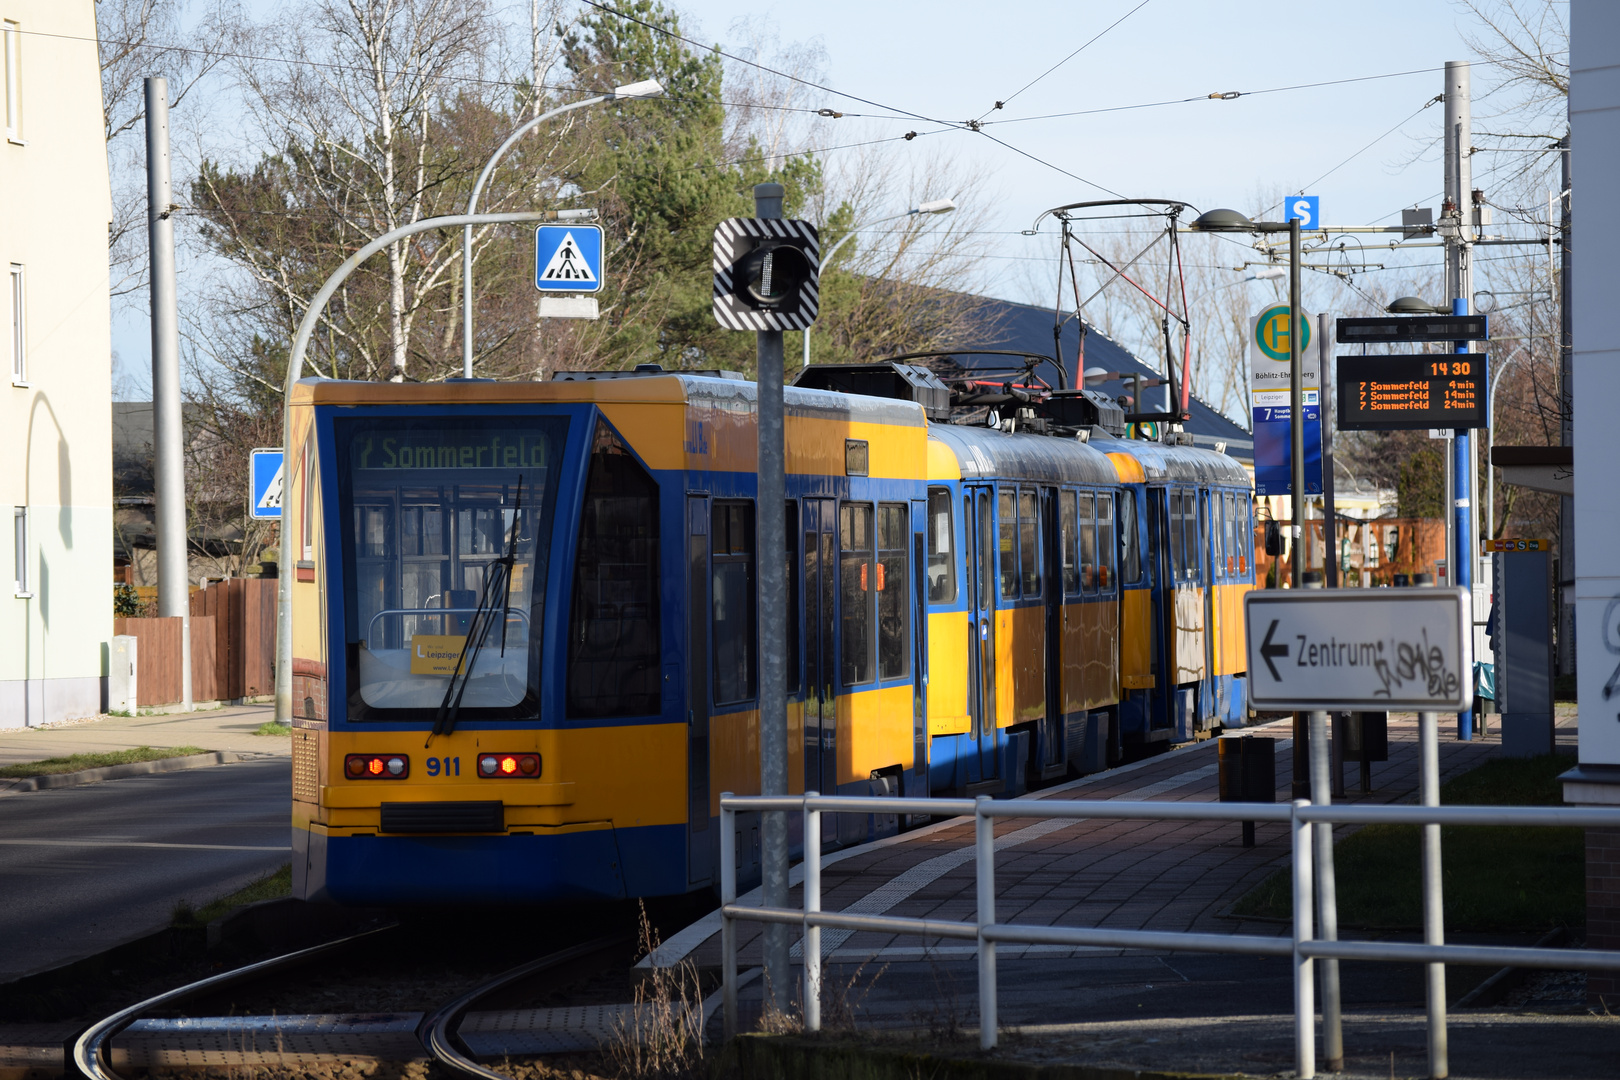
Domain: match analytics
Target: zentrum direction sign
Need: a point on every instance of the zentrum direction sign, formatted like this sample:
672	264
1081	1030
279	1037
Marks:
1375	649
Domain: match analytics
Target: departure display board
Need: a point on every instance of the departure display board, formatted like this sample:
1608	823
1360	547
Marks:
1392	393
1383	331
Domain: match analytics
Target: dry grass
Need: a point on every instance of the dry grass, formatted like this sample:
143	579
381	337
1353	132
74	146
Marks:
662	1037
80	762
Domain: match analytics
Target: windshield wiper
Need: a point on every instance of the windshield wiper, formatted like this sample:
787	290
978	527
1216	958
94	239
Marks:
498	576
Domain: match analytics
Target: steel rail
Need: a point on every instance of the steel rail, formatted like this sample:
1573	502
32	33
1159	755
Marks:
87	1048
435	1030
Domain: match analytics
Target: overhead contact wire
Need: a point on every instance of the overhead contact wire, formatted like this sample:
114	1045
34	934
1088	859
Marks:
1095	38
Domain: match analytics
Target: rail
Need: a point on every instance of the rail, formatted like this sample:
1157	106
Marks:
1303	948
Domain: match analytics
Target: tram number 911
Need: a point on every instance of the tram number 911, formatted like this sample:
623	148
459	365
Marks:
450	766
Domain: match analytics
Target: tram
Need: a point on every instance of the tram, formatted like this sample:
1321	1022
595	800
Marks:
525	620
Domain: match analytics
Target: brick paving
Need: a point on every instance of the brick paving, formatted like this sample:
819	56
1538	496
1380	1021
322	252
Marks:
1123	874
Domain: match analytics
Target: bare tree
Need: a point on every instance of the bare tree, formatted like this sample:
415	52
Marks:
137	39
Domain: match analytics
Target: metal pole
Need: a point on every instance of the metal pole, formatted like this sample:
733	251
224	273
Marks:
1327	904
984	843
772	610
472	208
295	369
728	926
1304	991
1566	426
812	903
1296	398
1459	190
1324	397
169	466
1434	932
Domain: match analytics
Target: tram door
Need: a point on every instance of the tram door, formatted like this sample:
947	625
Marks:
982	760
1053	544
1161	566
820	518
702	842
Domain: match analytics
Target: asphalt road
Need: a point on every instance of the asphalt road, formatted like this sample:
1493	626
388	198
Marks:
85	868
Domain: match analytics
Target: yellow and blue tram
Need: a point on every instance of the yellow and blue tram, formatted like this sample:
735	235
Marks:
525	624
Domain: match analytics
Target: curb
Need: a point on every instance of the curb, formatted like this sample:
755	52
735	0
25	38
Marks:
121	772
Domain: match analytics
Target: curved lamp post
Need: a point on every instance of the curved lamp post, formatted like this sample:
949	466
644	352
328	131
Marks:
286	568
1490	440
1232	221
647	88
933	206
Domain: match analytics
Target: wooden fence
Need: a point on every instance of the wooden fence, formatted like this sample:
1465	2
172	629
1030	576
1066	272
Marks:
233	644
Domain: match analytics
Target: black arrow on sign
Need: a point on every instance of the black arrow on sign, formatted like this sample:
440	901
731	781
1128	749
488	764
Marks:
1268	650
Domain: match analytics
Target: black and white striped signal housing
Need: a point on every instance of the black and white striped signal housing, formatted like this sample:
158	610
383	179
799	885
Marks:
766	274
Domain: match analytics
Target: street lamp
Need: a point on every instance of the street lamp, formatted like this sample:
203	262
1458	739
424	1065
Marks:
646	88
932	206
1413	305
1232	221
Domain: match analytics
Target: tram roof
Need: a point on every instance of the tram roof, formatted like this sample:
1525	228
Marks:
984	453
1162	463
674	388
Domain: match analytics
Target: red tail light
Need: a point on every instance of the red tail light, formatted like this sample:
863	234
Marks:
509	766
376	766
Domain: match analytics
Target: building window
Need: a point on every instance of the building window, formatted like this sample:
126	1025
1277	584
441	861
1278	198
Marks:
12	46
19	327
732	570
19	558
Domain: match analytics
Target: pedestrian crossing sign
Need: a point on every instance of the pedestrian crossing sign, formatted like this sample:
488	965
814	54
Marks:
568	258
267	482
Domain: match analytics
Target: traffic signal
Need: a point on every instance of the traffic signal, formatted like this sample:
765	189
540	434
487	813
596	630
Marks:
766	274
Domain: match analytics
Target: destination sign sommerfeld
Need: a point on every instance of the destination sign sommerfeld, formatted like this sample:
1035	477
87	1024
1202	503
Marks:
1372	649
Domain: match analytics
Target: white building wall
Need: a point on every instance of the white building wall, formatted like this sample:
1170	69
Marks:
55	423
1594	117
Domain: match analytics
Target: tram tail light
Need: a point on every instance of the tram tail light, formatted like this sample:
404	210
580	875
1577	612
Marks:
376	766
497	766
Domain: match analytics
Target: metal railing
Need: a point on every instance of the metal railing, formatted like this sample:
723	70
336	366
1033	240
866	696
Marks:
1302	947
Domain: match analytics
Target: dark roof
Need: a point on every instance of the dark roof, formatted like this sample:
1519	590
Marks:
1023	326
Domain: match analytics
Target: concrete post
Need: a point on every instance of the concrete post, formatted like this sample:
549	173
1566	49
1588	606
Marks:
169	468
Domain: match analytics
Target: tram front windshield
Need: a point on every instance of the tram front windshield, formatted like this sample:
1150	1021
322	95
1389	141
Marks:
430	504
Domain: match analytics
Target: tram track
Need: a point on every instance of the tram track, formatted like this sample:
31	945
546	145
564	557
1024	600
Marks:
297	1043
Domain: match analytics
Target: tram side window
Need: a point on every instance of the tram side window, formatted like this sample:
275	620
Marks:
1029	542
1173	539
1007	515
1088	542
1105	541
794	566
893	612
856	575
613	639
941	547
1069	536
1217	537
1246	525
1130	551
731	566
1234	541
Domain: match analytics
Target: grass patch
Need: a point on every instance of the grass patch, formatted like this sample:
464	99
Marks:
1494	878
274	727
269	887
80	762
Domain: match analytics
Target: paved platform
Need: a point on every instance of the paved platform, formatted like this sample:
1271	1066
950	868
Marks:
1167	876
227	728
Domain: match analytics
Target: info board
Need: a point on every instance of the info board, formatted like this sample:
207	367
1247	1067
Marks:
1394	393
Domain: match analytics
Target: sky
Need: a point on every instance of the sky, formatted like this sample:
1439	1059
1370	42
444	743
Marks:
950	61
